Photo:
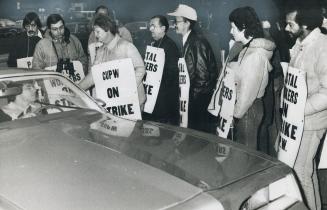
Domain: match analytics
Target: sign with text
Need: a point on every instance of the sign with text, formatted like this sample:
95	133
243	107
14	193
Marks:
323	156
184	92
293	104
154	64
115	127
115	84
76	75
214	105
25	63
59	94
227	97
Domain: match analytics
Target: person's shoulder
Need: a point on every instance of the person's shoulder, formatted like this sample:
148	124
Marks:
73	37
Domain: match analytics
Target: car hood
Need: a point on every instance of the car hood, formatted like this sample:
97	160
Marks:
85	160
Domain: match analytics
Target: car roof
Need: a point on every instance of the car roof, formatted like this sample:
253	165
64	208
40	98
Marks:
10	71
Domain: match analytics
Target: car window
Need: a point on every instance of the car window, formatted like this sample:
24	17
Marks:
23	97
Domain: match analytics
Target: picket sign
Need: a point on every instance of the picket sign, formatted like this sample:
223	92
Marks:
154	64
184	91
294	98
57	92
25	63
115	84
227	96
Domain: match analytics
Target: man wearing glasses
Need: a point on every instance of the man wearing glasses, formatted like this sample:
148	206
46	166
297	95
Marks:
201	67
25	42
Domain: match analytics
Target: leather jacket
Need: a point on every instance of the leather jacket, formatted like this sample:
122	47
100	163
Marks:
201	65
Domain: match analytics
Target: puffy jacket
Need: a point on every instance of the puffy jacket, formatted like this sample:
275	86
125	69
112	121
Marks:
201	65
251	73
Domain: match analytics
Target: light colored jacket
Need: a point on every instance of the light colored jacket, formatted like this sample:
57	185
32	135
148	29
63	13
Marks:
310	55
45	54
119	48
251	73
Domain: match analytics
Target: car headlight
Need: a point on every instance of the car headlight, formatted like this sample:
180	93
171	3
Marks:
278	195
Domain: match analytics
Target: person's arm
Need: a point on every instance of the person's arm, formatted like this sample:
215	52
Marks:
252	69
87	82
206	71
38	57
318	101
138	63
81	55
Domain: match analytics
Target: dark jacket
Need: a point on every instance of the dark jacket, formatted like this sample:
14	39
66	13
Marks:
201	65
23	47
203	72
166	108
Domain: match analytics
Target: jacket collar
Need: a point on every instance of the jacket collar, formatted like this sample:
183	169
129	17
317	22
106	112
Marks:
111	45
313	35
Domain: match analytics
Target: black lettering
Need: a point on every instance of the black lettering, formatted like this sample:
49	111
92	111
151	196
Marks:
107	75
113	92
182	79
182	106
121	110
148	89
285	109
221	123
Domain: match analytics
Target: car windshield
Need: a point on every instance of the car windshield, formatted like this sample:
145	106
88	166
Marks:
29	96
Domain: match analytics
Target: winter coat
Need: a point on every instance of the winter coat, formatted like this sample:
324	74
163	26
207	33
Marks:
45	55
23	47
251	73
310	55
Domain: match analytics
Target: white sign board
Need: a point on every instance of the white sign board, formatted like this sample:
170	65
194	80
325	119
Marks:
56	90
115	84
293	104
184	92
25	63
78	74
214	105
154	64
227	97
323	156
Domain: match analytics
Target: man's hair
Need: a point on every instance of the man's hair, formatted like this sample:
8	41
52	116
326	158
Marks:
55	18
101	7
17	84
30	17
192	22
162	21
246	18
308	13
106	23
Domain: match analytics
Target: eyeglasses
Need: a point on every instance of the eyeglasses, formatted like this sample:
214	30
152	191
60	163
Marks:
178	21
30	26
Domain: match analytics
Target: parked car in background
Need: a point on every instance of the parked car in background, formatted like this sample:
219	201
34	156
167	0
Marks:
6	22
7	32
68	153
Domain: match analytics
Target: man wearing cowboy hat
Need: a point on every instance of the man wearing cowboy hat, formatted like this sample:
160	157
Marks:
201	66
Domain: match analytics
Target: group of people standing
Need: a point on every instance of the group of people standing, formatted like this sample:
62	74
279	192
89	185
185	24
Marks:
250	58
